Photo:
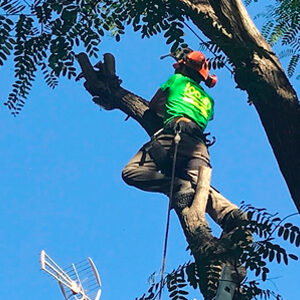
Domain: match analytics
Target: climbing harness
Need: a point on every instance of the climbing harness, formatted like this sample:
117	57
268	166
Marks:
157	152
177	139
160	155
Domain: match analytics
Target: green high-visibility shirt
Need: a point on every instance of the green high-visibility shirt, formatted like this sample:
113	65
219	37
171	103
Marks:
186	98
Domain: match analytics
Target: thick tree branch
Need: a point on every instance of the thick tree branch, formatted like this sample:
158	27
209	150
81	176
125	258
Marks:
107	92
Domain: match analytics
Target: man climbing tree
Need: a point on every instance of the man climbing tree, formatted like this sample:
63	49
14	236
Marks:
186	108
171	163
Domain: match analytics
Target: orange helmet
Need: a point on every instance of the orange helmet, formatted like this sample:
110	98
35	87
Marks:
197	61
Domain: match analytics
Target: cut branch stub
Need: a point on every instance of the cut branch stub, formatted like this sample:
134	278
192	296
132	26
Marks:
110	64
100	83
104	85
88	71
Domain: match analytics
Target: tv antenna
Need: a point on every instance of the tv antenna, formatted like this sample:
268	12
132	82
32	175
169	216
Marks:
80	281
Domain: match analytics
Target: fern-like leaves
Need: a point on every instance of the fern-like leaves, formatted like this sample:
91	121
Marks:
47	34
282	26
246	253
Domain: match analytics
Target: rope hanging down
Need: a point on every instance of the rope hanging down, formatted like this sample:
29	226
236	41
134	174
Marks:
176	142
200	39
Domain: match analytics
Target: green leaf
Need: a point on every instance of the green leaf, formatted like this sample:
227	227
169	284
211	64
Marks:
292	237
288	225
105	26
2	55
170	39
286	234
280	231
271	255
264	276
182	292
174	293
297	242
172	288
278	257
293	256
174	47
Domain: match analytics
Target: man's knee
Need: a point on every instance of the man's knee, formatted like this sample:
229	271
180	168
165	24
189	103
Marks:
233	219
127	174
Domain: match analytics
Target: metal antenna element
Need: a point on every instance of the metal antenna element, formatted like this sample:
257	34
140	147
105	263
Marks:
80	281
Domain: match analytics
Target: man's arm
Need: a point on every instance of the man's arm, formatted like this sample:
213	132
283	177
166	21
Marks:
158	101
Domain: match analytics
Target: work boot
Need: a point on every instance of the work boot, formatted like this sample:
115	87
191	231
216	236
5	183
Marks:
233	219
183	194
235	231
183	199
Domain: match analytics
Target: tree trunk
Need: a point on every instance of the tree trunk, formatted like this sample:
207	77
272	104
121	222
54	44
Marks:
198	234
258	71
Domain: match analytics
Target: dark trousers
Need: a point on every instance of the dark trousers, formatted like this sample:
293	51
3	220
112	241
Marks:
192	153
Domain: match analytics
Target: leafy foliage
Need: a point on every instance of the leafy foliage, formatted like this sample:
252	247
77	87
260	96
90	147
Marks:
243	252
247	2
283	26
44	34
152	292
219	60
176	282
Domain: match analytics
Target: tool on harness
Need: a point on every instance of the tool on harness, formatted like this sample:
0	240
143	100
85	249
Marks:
157	152
176	142
195	60
189	127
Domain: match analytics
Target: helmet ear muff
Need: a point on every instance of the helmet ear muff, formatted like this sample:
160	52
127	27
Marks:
211	81
176	65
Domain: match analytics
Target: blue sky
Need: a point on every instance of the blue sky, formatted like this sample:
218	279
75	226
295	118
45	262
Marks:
61	187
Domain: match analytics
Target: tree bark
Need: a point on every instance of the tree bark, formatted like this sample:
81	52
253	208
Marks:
192	218
257	71
110	95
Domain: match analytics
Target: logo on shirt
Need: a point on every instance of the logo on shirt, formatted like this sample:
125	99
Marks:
194	96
